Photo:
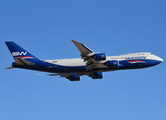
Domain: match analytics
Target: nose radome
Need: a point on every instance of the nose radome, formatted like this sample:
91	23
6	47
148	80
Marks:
159	59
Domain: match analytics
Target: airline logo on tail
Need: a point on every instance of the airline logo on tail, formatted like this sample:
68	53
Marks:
20	54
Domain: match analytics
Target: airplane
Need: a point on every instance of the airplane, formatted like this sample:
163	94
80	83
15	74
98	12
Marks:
92	64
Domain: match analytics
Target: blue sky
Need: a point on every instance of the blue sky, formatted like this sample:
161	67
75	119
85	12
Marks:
45	28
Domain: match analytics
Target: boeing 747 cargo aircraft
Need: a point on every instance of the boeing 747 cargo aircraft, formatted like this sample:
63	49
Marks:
91	63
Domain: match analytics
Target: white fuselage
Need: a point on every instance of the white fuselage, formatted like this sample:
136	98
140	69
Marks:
80	62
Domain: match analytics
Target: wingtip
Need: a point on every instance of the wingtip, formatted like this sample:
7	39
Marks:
74	41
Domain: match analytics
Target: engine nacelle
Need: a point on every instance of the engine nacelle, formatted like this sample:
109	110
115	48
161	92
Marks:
96	75
99	56
74	77
112	63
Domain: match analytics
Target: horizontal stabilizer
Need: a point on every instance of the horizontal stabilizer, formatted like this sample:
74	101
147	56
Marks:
9	67
22	62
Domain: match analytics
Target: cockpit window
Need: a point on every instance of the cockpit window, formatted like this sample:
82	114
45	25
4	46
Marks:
151	54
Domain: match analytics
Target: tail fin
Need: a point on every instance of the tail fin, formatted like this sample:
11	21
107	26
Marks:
18	51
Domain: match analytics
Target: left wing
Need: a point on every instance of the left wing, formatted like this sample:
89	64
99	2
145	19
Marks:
93	60
70	76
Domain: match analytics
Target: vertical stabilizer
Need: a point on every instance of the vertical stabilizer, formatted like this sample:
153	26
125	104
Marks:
18	51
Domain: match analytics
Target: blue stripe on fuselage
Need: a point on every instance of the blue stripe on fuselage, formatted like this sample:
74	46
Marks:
54	68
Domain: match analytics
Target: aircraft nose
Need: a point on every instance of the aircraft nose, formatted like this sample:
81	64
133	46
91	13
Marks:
159	59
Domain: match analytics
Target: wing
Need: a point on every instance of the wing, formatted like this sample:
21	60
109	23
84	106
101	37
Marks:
70	76
82	48
92	59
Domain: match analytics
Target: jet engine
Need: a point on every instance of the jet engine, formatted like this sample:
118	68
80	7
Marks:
99	56
112	63
96	75
74	77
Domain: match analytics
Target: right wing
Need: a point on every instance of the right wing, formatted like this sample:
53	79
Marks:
82	48
88	56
